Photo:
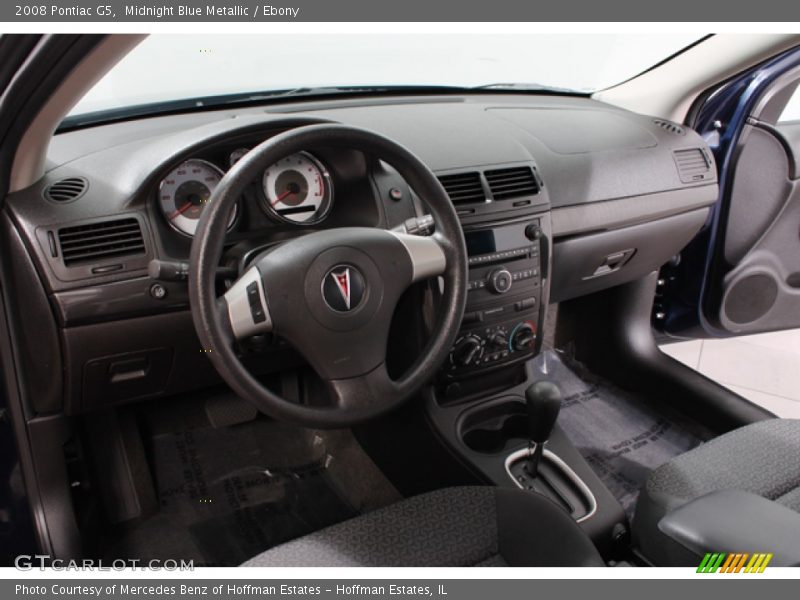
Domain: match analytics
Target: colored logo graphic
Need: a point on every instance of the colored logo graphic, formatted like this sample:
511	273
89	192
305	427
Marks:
741	562
343	288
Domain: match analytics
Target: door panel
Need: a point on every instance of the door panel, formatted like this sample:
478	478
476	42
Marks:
760	290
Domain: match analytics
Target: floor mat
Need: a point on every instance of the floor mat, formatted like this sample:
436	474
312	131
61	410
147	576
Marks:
227	494
620	436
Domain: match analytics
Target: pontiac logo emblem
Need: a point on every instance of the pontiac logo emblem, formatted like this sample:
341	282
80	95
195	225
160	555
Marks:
343	281
343	288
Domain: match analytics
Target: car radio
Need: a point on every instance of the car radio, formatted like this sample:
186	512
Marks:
501	319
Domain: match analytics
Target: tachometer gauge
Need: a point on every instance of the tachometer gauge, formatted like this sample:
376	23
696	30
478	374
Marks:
186	190
298	190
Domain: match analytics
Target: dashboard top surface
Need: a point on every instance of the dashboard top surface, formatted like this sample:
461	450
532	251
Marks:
586	150
583	152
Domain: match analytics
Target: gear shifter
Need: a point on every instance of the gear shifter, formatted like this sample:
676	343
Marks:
543	400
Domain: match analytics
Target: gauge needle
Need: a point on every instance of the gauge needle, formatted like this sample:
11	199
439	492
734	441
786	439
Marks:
181	210
285	194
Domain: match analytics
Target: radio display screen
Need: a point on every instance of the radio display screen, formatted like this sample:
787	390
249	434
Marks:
480	242
499	239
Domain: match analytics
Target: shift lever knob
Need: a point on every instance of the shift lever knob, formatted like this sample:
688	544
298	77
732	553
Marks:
543	400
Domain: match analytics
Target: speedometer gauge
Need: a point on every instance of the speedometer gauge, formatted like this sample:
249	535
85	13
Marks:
186	190
298	190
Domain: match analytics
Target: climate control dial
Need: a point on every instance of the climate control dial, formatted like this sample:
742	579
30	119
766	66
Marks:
523	337
467	351
499	340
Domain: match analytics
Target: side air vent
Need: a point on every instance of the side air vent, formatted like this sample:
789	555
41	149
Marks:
464	188
66	190
512	183
669	126
99	241
693	165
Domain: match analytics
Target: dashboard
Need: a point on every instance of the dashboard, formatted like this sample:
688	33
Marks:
559	196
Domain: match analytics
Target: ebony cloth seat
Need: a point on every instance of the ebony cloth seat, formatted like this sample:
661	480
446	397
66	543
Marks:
762	459
451	527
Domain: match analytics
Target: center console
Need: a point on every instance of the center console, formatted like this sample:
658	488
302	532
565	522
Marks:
491	436
506	292
485	405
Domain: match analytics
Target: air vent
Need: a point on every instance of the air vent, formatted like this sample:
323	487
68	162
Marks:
512	183
669	126
693	165
464	188
99	241
66	190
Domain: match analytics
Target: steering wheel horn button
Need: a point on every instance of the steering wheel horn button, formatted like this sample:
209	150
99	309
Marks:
343	288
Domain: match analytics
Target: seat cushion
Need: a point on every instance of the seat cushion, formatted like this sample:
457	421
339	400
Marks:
761	458
452	527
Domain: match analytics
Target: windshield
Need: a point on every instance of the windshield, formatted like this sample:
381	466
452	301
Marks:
168	68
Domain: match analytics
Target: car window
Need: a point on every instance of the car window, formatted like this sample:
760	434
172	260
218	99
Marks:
212	69
792	110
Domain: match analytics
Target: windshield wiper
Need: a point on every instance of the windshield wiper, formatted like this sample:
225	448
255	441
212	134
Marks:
266	96
345	89
243	99
397	89
526	87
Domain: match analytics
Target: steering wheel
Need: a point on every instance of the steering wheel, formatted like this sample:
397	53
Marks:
331	294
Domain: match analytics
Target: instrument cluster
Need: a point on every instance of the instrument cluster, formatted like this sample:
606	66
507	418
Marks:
296	190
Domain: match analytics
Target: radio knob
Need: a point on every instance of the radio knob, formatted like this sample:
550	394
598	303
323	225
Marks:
499	281
533	232
466	351
523	337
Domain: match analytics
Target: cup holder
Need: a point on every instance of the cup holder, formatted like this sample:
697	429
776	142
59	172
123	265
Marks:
491	429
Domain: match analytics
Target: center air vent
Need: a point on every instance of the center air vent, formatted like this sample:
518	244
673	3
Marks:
693	165
99	241
464	188
512	183
66	190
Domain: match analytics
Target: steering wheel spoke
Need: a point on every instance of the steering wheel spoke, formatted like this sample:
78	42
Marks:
426	254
